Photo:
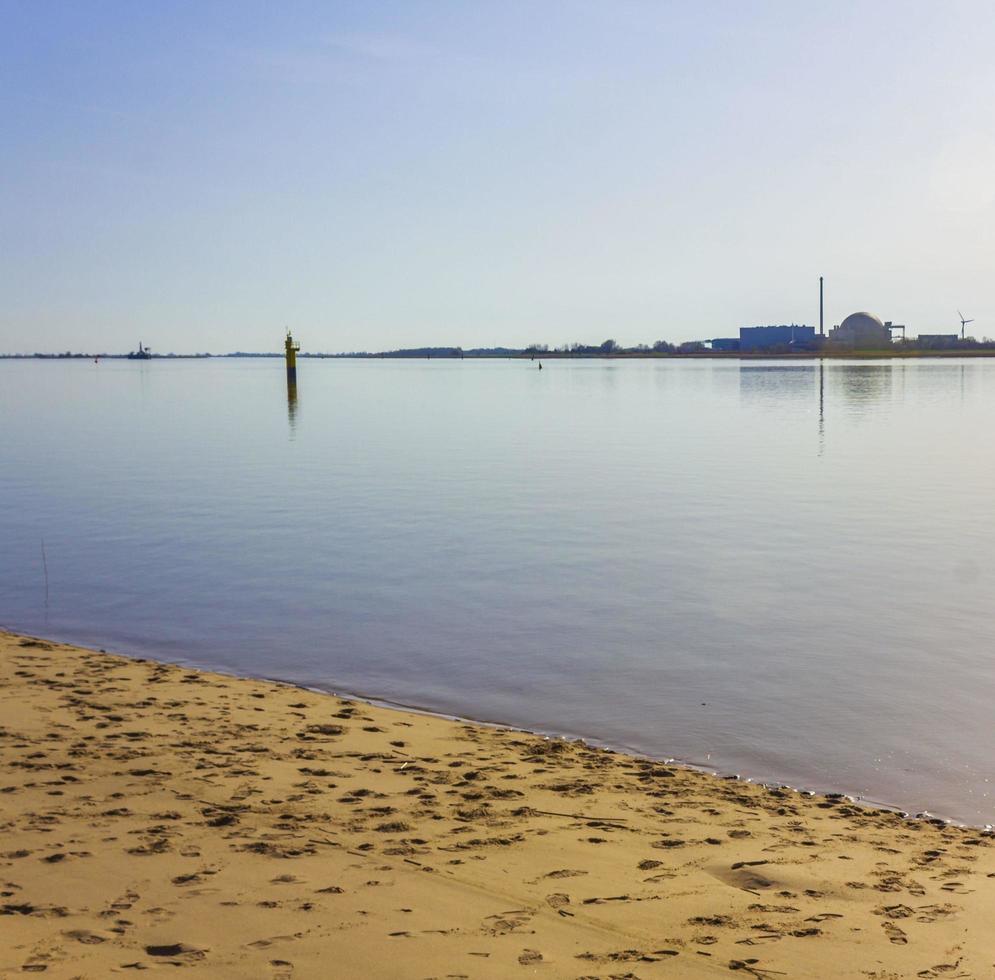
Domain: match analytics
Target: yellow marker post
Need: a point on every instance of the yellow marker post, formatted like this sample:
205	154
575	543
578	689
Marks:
292	350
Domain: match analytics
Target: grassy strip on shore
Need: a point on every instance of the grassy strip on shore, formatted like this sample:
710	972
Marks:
156	817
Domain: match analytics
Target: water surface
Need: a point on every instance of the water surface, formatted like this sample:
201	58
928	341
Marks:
773	568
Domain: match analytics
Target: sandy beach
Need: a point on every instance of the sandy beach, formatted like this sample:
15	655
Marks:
155	817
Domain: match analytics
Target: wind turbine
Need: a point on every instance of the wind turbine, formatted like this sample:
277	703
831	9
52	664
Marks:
963	323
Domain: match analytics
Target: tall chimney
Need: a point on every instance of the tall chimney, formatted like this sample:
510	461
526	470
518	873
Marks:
821	330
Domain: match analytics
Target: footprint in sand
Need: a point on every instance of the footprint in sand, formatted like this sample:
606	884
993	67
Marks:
930	913
895	911
176	953
506	922
942	970
85	936
894	934
743	878
956	888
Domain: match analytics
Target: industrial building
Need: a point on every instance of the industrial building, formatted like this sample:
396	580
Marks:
766	338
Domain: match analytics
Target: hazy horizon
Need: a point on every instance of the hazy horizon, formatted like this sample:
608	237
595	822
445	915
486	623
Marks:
202	176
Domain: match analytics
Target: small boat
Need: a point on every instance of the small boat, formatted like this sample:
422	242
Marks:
142	354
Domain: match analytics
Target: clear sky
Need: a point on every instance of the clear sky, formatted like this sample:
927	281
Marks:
199	174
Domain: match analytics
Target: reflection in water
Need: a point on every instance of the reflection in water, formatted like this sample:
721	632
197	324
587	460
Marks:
951	377
778	386
858	383
863	383
292	405
776	381
822	406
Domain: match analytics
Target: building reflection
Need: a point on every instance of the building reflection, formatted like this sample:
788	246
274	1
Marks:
782	385
863	384
793	387
822	406
776	382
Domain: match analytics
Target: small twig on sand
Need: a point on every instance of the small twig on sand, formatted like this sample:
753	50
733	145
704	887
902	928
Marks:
231	807
579	816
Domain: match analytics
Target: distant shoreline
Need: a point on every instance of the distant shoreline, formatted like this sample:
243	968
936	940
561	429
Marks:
870	355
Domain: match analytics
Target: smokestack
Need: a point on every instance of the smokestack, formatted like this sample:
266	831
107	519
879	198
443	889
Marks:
821	330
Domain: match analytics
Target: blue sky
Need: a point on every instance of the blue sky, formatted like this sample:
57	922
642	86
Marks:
374	175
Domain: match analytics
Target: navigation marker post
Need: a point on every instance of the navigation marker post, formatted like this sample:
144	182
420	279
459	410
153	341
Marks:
292	349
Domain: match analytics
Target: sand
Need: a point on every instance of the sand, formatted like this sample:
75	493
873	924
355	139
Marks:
160	818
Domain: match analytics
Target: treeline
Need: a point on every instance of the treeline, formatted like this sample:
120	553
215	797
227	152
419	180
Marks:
429	352
943	342
611	346
607	347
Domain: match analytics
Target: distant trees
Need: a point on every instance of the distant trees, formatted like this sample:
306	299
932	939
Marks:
607	347
610	348
427	352
941	342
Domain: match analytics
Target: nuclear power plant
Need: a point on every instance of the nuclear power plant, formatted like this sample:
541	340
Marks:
859	331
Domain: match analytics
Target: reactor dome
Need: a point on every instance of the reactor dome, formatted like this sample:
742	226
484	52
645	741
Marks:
862	330
861	322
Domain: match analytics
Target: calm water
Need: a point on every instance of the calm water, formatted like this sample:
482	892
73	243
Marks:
688	559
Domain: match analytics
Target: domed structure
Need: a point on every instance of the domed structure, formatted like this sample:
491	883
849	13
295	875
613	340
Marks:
862	330
861	322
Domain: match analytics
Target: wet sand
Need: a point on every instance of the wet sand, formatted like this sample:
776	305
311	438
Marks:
159	818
